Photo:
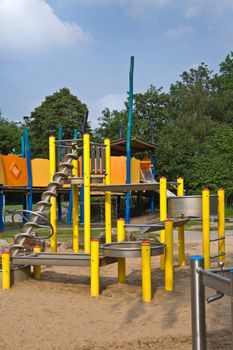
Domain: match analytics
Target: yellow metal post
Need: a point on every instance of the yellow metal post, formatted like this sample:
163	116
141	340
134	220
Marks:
75	212
121	261
37	268
95	268
87	193
53	201
169	279
221	225
163	214
181	242
206	227
108	210
6	270
146	271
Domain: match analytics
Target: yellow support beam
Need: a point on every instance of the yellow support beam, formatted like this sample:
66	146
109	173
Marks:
121	261
163	214
75	212
181	238
37	268
87	194
206	227
221	225
53	200
146	271
6	270
95	275
108	210
169	278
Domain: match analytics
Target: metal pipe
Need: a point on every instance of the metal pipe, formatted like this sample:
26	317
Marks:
221	225
87	194
181	242
206	227
197	304
121	261
53	200
163	213
108	207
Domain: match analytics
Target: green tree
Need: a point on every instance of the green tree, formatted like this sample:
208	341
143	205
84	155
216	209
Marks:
112	124
221	103
60	109
9	136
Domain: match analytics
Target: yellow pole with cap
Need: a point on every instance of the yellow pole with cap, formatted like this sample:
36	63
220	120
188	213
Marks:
146	271
169	278
95	284
163	213
206	227
37	268
108	210
121	238
53	200
221	225
75	212
6	270
181	241
87	194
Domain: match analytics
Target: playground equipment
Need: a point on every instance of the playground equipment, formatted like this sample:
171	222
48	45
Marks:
96	170
220	280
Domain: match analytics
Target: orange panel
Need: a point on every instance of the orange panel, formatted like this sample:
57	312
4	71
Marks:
2	179
118	170
146	163
40	172
15	170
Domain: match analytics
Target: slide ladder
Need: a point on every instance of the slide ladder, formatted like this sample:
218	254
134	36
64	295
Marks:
27	235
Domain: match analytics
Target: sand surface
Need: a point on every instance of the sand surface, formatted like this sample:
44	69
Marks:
58	313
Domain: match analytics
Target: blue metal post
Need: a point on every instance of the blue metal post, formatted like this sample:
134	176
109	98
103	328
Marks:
128	141
59	207
29	169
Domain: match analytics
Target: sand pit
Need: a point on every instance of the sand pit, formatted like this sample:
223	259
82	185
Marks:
58	313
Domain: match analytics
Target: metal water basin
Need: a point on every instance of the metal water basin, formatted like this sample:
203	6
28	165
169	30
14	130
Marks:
129	249
190	206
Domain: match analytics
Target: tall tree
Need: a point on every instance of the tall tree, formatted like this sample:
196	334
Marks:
60	109
9	136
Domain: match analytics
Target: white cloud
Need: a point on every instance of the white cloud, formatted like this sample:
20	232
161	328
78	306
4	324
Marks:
32	26
191	12
112	101
179	32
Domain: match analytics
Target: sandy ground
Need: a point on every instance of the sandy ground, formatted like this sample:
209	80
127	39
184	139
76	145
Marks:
58	313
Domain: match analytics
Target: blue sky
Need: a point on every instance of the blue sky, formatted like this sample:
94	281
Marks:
86	46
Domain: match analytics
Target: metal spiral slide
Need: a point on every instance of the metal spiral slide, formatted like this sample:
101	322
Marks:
22	239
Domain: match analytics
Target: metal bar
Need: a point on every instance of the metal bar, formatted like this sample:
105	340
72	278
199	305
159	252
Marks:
98	144
216	282
217	256
198	304
217	239
97	150
59	259
93	167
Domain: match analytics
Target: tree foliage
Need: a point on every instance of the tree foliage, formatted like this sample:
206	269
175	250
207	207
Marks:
9	136
60	109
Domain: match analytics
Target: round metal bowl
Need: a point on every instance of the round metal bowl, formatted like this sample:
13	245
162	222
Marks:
190	206
129	249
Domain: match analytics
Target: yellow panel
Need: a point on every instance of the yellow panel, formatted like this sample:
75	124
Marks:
40	172
135	170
